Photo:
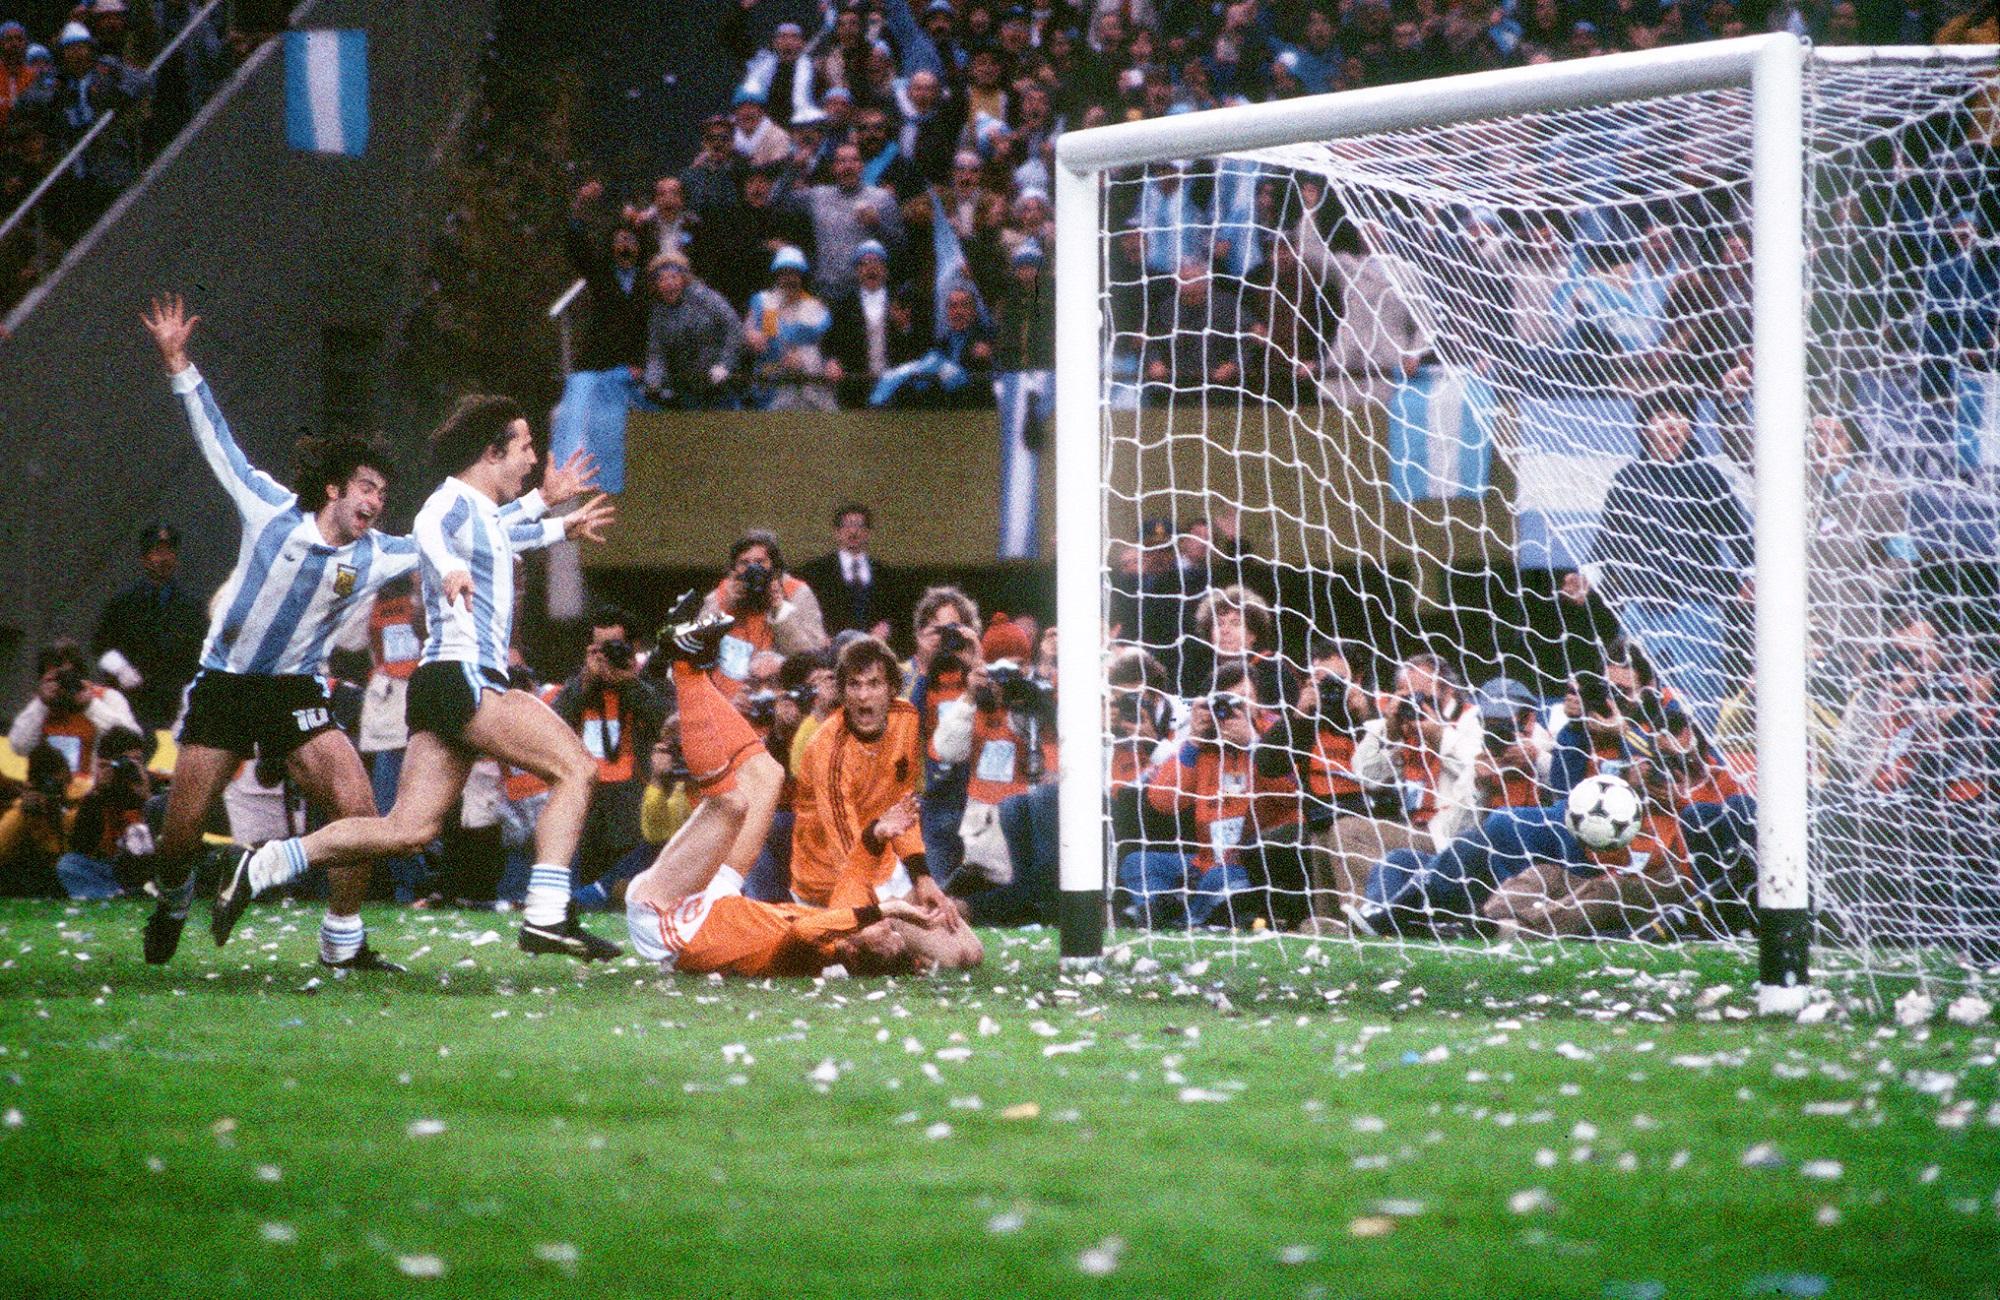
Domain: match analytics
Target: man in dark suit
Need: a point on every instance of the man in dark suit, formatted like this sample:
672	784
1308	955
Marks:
876	326
854	589
149	640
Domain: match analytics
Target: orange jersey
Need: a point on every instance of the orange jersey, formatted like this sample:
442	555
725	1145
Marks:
740	936
843	784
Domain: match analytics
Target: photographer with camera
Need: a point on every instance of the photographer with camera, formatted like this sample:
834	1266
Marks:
69	710
111	835
1004	729
945	621
35	828
618	715
773	610
1516	750
1225	806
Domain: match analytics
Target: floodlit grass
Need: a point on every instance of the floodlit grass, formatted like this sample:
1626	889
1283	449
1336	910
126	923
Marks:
1283	1121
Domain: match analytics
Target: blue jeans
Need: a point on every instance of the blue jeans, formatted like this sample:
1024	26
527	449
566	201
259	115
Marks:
769	879
944	851
406	874
86	879
1459	879
1161	892
1687	641
1029	821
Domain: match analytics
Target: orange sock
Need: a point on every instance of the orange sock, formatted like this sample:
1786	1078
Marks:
714	736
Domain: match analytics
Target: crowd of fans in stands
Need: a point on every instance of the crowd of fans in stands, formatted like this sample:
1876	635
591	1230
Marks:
62	70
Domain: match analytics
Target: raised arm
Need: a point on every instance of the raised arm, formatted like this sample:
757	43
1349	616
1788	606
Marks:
256	494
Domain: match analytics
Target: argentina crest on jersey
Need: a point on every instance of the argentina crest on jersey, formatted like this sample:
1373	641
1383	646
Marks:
344	577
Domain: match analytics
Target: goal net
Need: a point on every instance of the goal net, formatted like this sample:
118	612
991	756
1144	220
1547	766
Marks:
1444	466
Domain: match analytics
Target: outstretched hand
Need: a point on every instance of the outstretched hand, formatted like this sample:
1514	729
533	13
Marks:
926	894
458	588
171	327
901	816
591	519
572	478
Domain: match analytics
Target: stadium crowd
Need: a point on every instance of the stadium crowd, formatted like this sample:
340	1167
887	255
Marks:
63	67
869	223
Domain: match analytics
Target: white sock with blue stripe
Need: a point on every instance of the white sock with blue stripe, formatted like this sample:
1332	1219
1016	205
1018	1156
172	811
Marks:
279	862
548	894
340	937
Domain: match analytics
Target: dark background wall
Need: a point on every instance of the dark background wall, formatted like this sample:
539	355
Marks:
302	267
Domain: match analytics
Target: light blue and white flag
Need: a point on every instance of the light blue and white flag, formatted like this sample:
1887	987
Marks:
326	91
1441	435
1026	399
949	255
591	417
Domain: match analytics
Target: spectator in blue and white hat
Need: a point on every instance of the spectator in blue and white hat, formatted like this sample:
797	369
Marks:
783	330
877	325
761	141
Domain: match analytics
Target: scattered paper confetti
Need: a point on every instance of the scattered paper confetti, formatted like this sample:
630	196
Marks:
420	1265
1022	1110
281	1234
1825	1170
423	1128
1371	1225
1970	1009
1102	1259
1534	1200
1299	1254
1914	1008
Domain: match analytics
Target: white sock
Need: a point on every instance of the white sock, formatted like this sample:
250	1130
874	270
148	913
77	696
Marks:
548	895
340	937
279	862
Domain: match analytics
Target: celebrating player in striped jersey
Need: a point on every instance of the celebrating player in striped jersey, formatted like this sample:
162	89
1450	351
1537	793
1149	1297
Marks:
460	701
307	559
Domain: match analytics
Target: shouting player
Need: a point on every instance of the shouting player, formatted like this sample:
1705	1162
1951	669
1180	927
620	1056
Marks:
461	704
307	558
687	911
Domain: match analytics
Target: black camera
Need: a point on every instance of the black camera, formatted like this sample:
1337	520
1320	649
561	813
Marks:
953	640
127	771
1224	705
1007	687
1334	713
761	708
69	681
618	654
804	695
754	582
52	783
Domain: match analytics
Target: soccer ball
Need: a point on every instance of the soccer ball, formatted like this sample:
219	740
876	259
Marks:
1603	812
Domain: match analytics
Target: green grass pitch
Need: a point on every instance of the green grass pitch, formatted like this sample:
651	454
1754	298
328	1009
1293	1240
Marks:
1261	1120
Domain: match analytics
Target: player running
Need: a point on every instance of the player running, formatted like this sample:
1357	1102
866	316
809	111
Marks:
306	560
461	703
687	911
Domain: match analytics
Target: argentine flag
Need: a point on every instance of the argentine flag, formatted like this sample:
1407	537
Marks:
1440	434
326	91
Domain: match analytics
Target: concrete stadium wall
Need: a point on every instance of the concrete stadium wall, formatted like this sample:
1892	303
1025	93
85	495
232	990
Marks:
272	247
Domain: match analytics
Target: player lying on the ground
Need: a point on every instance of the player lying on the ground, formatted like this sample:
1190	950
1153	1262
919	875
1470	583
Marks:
461	701
305	560
687	910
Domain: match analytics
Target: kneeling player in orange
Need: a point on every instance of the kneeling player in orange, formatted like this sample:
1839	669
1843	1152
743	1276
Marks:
687	910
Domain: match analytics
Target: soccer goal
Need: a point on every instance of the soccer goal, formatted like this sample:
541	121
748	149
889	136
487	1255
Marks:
1631	417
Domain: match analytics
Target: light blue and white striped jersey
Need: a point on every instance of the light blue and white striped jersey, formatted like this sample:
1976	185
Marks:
290	590
461	528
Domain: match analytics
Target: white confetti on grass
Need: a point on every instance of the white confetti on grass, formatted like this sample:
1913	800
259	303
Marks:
420	1265
1763	1156
279	1234
1914	1008
14	1118
938	1131
1204	1094
1102	1259
1824	1170
269	1174
1971	1009
559	1253
1010	1221
1298	1254
1534	1200
423	1128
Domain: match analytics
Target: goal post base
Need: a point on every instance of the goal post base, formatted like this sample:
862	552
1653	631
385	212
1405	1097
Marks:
1783	981
1081	916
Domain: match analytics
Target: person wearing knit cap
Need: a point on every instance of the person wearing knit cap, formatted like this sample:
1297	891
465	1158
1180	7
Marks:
779	72
782	330
877	325
693	340
761	141
1003	728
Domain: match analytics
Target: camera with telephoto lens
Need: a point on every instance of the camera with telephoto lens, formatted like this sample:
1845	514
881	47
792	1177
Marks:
1334	713
618	654
953	639
754	582
1007	687
127	771
1225	705
761	708
69	683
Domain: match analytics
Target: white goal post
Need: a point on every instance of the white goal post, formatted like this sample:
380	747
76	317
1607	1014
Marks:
1771	68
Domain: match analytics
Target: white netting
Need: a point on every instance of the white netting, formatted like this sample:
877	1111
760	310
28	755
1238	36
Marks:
1467	406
